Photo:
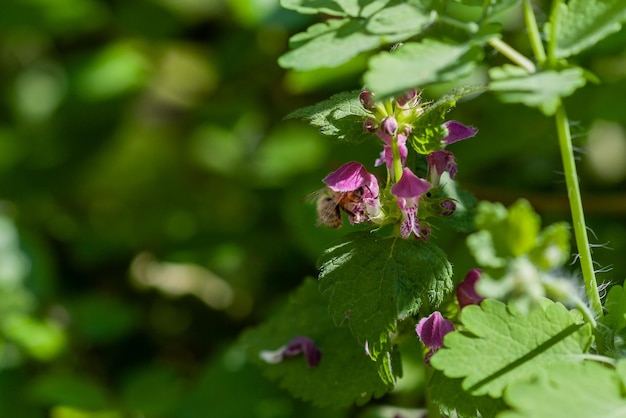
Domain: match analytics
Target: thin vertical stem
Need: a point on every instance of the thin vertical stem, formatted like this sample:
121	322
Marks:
533	33
576	206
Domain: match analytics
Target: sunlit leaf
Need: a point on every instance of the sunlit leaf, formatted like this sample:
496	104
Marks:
582	23
373	281
341	116
542	90
520	345
579	390
420	64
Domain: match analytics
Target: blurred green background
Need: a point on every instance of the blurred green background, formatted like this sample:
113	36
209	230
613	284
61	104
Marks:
153	199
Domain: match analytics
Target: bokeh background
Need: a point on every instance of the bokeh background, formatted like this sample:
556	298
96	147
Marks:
153	198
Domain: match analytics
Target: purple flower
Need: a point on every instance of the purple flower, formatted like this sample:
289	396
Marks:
408	191
386	155
439	162
466	290
353	177
297	346
431	331
457	132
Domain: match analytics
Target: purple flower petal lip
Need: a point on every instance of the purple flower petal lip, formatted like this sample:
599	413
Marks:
432	329
298	345
409	185
348	177
458	132
305	345
466	290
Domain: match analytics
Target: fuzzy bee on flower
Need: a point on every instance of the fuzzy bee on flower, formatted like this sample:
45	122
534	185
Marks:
351	190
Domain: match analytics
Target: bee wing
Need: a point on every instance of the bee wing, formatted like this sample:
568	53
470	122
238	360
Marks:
315	196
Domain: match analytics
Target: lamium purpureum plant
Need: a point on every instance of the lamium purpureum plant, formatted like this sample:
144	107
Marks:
514	337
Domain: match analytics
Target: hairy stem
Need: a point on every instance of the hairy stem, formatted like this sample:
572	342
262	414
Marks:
533	32
576	206
512	54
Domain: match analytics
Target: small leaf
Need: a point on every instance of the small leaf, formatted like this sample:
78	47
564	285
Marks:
499	345
611	337
553	246
582	23
579	390
541	90
345	373
503	233
427	130
419	64
341	116
374	281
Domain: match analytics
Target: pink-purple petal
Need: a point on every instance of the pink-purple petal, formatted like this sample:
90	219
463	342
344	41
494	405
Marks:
466	290
348	177
458	132
432	329
409	185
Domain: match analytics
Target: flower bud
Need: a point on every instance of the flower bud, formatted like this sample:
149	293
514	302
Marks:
367	99
466	290
389	125
448	207
409	99
370	125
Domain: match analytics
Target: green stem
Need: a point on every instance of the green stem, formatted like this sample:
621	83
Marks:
554	29
576	206
533	33
470	27
512	54
397	162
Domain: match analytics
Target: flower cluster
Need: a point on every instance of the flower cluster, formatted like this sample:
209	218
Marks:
355	191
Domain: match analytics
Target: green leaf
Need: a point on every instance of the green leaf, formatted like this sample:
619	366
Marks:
427	130
341	116
463	218
553	246
541	90
579	390
503	233
328	44
499	345
336	41
374	281
354	8
345	373
401	17
582	23
611	337
452	400
420	64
